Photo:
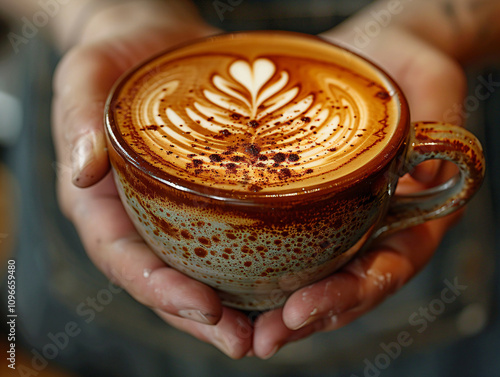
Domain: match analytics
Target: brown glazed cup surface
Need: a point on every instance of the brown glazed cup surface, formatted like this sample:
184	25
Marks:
256	248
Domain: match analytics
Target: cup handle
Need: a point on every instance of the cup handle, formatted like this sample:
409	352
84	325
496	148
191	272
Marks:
434	140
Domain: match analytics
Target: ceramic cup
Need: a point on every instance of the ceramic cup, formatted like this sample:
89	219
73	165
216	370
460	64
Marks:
256	246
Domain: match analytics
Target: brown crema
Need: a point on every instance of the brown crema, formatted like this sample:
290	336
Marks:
256	113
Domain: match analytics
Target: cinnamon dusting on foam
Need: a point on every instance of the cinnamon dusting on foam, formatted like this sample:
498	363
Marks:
267	122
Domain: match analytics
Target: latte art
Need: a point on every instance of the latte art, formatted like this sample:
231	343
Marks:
263	122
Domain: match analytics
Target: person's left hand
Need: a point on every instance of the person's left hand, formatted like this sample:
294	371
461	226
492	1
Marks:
432	83
86	191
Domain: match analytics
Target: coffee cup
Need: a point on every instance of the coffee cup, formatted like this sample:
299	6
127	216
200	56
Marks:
261	162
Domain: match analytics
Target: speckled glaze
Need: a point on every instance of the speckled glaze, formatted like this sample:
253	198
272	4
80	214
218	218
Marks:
256	248
255	252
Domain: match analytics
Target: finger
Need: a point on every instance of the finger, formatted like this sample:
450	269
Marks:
348	294
427	171
371	279
426	175
118	251
331	296
367	280
156	285
271	334
232	334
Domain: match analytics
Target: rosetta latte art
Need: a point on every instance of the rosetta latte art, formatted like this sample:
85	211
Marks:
251	125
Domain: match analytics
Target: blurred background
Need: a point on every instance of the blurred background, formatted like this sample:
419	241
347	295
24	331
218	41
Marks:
31	229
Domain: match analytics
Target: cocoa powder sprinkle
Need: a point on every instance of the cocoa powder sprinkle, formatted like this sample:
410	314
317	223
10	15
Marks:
284	174
254	188
279	157
252	149
215	157
382	95
253	124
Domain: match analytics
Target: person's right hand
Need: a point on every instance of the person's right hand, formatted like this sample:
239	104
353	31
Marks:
116	39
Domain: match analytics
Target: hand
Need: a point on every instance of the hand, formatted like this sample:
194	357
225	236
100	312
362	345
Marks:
432	83
82	83
86	191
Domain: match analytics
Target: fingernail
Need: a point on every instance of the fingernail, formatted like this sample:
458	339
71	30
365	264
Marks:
312	317
271	353
222	347
83	153
198	316
223	344
303	324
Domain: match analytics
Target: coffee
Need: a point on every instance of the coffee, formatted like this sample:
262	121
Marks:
276	115
261	162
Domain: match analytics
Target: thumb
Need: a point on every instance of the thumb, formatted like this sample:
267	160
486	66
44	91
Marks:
89	159
81	85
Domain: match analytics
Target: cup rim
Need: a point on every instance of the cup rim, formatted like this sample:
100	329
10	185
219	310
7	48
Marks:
371	168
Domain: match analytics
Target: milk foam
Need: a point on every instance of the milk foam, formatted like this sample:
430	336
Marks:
265	122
